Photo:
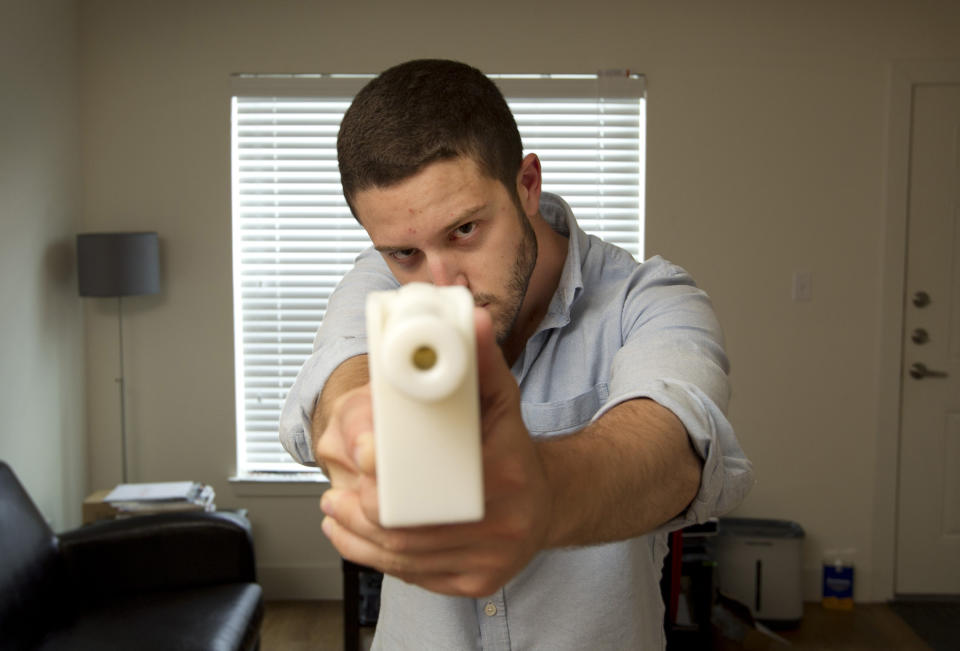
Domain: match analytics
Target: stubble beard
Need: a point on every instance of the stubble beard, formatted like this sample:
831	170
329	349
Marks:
516	289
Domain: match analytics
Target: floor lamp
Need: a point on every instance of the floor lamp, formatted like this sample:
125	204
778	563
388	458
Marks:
118	265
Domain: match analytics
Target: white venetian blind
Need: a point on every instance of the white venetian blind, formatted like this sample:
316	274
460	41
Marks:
294	236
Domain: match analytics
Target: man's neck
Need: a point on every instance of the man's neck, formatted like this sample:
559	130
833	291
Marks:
551	255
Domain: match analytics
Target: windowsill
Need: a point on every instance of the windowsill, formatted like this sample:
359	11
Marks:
280	485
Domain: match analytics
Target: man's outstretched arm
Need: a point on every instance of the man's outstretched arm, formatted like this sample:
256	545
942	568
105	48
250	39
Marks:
627	473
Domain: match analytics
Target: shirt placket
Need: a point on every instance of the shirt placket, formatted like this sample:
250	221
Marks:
492	615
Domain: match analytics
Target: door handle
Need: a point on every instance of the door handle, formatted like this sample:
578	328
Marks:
919	371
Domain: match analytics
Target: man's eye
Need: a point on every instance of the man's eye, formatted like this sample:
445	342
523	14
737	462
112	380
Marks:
403	254
465	229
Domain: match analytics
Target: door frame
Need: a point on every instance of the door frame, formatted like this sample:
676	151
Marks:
903	77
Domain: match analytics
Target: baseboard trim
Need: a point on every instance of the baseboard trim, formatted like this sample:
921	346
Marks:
301	582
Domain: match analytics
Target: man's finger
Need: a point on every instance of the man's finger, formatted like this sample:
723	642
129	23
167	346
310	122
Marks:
494	375
359	548
355	414
347	440
331	453
364	454
362	546
350	511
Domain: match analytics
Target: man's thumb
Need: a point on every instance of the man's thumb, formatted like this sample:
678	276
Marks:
491	367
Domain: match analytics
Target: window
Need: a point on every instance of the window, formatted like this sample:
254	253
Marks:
294	236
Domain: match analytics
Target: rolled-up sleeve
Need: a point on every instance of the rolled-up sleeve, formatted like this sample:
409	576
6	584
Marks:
342	335
673	354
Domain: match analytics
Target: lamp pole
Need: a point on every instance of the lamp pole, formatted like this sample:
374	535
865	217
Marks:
123	402
118	264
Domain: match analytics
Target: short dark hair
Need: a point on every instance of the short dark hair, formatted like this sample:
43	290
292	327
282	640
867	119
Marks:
424	111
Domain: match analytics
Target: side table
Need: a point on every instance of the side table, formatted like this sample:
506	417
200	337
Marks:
361	601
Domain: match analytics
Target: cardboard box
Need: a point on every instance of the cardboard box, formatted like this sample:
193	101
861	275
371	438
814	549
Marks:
94	508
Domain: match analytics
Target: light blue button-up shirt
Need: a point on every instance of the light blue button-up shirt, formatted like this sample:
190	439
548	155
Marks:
615	330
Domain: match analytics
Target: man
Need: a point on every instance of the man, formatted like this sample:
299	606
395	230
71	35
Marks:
602	385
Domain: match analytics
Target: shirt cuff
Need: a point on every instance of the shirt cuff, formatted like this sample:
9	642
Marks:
297	414
727	474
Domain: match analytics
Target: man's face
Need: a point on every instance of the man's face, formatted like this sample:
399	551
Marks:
452	225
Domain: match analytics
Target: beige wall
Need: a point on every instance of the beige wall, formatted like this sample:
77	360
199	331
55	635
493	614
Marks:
766	156
41	347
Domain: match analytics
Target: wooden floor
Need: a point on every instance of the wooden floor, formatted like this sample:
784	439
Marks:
867	627
318	626
302	626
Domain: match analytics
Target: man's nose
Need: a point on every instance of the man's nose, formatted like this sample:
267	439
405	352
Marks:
445	271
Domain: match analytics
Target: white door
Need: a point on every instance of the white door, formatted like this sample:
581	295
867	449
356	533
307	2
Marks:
928	517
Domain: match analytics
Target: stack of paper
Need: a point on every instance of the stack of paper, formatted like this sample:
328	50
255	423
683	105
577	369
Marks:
161	497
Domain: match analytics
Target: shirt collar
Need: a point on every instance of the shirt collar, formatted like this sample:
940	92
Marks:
559	215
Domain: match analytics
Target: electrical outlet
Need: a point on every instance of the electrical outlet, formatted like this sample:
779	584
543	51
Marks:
802	286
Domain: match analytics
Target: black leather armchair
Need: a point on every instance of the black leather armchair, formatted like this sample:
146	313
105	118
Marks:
176	581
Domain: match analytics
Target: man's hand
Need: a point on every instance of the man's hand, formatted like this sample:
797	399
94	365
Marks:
471	559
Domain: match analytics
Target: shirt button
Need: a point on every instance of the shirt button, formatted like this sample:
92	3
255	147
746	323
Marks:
490	609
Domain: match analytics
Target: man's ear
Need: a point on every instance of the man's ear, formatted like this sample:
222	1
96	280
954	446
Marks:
529	179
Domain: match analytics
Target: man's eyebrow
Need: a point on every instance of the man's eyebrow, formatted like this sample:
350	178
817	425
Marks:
461	218
391	249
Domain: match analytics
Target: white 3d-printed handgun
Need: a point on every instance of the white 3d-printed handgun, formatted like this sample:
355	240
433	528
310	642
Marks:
426	414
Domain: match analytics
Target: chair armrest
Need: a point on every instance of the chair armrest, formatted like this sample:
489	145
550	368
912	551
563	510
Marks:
158	552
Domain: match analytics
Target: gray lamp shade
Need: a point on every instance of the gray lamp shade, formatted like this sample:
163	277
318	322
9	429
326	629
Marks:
118	264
